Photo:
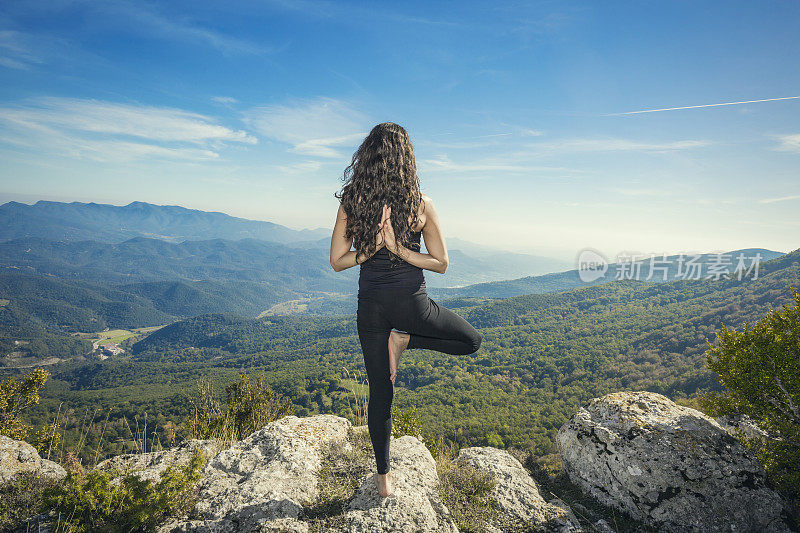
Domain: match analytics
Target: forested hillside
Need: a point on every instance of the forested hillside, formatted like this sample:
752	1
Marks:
542	356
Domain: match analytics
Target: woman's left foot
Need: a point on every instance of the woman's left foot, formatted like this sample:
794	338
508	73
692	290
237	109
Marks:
397	343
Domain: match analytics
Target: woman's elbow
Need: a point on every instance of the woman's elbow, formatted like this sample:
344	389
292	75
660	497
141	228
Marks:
443	266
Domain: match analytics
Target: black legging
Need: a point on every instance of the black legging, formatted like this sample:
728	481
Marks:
430	326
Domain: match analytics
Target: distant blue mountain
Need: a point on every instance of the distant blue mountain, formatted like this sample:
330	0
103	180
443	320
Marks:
79	221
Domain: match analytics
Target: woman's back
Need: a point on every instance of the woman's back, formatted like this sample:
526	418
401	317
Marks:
380	272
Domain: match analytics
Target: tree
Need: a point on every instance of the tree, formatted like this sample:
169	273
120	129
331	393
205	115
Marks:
15	396
759	367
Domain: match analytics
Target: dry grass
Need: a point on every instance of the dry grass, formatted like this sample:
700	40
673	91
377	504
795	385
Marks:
343	469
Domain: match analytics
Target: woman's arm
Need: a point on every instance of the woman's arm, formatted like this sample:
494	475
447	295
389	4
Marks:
342	256
436	259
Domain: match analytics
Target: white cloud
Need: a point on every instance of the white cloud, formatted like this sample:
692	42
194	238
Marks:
225	100
300	168
323	147
443	163
311	127
110	131
779	199
616	145
788	143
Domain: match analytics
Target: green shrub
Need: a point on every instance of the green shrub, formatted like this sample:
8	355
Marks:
249	406
95	502
406	422
22	497
759	367
15	396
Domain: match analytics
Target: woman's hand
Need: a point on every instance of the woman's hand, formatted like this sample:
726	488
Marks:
388	229
379	238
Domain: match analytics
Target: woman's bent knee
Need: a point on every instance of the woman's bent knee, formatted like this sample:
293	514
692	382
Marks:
475	341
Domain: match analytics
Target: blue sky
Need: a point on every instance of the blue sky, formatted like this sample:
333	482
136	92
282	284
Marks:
515	111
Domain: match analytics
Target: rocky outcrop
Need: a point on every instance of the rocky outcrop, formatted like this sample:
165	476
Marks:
262	482
517	496
152	464
18	456
666	465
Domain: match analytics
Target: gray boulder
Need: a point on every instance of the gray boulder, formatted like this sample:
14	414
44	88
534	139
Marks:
666	465
18	456
516	493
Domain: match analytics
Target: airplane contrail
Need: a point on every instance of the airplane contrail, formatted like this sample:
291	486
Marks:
704	105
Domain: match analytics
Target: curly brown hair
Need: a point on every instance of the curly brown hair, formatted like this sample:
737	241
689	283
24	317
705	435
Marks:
382	171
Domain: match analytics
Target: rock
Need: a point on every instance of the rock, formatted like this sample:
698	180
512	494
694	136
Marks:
516	493
743	424
415	505
666	465
262	482
18	456
603	527
151	465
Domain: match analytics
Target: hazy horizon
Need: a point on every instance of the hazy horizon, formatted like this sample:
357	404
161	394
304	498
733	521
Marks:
568	257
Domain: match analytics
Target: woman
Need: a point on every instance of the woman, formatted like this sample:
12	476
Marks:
382	214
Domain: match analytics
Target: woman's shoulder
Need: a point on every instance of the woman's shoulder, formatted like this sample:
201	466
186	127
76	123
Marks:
424	208
426	203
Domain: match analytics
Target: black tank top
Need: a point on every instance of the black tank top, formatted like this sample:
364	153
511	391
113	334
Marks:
379	271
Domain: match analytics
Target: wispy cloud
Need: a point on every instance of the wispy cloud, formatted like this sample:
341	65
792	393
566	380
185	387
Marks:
779	199
303	167
634	191
316	127
480	141
111	131
615	145
702	105
224	100
150	21
16	51
788	143
370	11
443	163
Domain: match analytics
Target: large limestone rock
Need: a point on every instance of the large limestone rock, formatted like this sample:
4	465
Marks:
666	465
152	464
415	505
18	456
516	493
262	482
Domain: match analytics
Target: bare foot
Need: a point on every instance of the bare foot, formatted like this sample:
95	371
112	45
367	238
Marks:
397	343
385	484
